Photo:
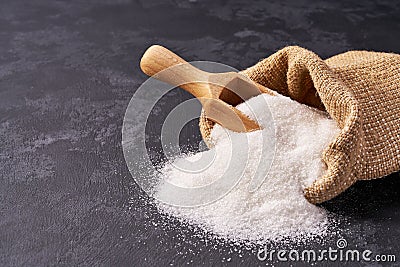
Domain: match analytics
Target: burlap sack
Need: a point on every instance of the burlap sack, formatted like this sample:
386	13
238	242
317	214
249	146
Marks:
360	90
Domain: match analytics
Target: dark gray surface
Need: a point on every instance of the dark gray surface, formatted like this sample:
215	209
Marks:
67	72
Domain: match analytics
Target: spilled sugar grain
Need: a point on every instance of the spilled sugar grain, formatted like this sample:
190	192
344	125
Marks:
277	210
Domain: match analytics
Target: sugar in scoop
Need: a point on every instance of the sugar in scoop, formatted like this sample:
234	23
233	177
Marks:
264	173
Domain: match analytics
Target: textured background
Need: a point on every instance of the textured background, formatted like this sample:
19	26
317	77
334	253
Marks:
67	72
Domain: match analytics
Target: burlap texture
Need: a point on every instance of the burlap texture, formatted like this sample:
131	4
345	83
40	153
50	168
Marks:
360	90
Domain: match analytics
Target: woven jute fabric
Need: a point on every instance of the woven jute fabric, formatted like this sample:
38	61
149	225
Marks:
361	92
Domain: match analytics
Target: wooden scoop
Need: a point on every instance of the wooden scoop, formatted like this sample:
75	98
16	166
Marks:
217	92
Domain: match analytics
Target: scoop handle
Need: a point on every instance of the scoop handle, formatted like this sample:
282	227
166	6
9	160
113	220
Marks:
166	66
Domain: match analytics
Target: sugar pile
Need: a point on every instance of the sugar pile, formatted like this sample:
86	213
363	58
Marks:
287	152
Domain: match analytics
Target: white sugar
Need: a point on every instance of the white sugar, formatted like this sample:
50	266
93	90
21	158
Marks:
287	152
